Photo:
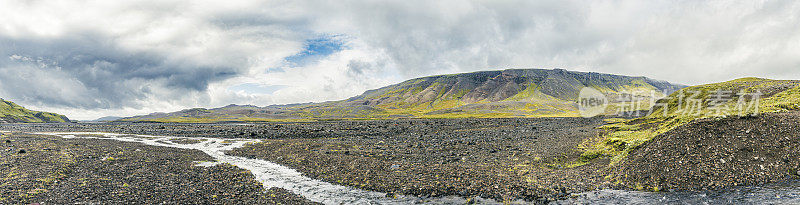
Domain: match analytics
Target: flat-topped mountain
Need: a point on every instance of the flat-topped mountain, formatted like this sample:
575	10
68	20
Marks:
505	93
11	113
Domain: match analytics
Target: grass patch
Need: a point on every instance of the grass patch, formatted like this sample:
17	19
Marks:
10	110
622	136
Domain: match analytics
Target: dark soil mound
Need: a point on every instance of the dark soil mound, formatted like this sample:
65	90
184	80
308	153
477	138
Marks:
717	153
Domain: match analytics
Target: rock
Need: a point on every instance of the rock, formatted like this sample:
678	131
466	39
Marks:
681	156
391	195
164	175
420	157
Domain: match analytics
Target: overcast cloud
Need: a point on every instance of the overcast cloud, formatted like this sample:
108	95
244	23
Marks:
89	59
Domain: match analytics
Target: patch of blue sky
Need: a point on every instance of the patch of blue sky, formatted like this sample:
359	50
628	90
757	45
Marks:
255	88
316	49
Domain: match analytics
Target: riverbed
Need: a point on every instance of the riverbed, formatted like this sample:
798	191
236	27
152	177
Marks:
274	175
270	174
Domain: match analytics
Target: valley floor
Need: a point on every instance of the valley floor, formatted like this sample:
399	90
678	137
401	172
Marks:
530	159
502	159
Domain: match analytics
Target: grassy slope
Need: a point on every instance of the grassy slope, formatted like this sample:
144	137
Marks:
621	136
529	101
454	96
11	112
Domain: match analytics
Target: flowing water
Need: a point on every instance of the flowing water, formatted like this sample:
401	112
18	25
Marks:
271	174
274	175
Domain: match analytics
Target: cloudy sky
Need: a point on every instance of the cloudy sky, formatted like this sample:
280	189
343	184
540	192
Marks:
89	59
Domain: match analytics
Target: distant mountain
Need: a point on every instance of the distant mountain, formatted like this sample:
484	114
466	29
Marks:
13	113
506	93
106	119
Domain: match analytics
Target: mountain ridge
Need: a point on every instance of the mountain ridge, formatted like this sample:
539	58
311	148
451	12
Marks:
498	93
104	119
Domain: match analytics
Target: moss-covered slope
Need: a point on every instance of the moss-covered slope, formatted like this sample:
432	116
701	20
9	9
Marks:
735	98
11	112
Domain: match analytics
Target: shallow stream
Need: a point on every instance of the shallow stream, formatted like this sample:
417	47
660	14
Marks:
271	174
274	175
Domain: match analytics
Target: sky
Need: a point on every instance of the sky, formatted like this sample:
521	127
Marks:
89	59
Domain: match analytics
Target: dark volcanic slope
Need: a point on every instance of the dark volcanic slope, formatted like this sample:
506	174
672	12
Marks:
493	86
506	93
49	169
712	153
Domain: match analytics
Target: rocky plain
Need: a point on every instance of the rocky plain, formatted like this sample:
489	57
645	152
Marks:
45	169
525	160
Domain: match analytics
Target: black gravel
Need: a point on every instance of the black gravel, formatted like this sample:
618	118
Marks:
504	159
53	170
282	130
717	154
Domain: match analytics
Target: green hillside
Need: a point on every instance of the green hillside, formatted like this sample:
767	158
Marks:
11	113
735	98
506	93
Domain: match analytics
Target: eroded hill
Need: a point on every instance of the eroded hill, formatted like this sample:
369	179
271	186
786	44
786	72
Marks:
506	93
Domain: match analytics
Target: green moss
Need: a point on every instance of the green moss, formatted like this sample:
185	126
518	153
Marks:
461	93
622	136
615	120
12	111
622	126
787	100
529	92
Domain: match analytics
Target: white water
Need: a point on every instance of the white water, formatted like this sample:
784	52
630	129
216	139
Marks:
271	174
274	175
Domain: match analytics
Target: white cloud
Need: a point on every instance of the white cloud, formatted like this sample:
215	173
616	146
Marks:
136	57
